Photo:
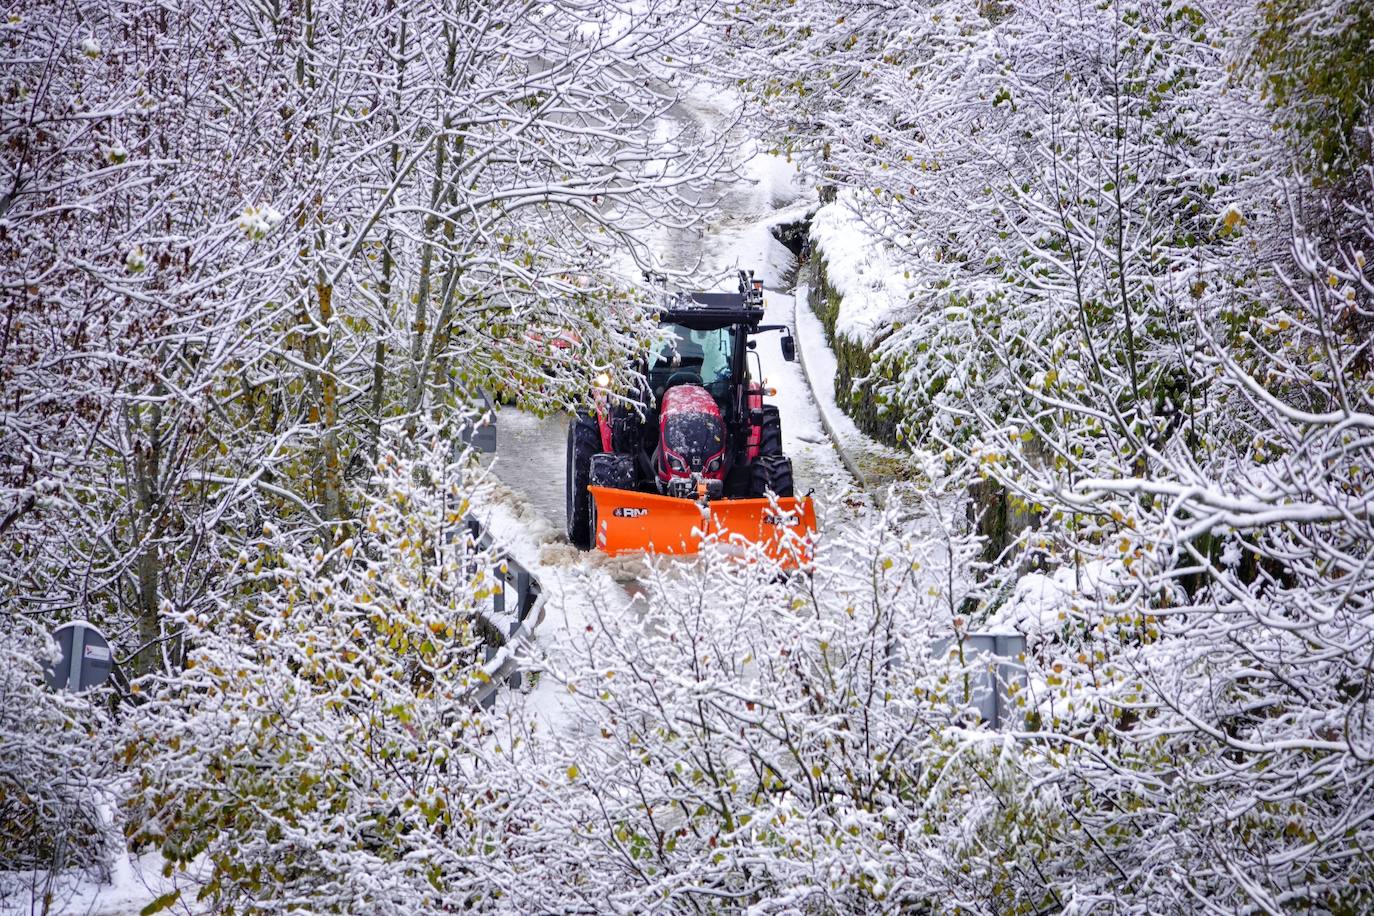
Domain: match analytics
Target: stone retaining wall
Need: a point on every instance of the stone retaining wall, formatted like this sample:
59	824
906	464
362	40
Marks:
854	361
991	511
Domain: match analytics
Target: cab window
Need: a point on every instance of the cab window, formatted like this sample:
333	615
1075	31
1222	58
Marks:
702	355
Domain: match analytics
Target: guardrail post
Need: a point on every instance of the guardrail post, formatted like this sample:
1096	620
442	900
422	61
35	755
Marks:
498	593
474	532
522	594
516	679
1011	649
488	653
995	663
480	433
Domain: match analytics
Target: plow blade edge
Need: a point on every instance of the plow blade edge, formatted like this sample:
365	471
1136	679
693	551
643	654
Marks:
628	520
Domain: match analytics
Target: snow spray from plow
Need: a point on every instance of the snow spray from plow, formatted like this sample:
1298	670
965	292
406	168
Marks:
628	520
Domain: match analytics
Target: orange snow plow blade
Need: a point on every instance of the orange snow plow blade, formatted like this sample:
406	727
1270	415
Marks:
628	520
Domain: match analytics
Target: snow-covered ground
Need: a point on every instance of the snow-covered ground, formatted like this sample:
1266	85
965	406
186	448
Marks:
130	885
873	464
875	291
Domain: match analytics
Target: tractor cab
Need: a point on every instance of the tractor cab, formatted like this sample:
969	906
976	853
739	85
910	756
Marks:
708	337
694	356
705	350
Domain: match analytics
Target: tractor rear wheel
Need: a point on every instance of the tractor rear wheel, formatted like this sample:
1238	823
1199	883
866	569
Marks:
584	441
770	432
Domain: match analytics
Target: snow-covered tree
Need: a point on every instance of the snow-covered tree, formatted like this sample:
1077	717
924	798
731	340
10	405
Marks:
321	746
238	238
1120	287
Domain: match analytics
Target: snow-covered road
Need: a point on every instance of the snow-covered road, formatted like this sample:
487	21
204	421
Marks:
530	450
529	515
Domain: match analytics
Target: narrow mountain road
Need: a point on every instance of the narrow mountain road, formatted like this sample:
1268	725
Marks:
530	450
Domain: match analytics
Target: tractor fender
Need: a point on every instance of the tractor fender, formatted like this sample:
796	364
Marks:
603	421
603	426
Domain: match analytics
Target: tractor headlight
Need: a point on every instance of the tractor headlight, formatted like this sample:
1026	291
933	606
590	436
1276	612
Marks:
714	463
676	463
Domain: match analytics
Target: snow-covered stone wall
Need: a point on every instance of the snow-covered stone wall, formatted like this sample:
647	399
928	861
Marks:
861	297
857	293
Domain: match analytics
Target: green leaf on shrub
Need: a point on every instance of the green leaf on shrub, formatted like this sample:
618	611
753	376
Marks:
161	903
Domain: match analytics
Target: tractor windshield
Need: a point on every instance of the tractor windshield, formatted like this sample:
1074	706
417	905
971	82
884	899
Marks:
696	357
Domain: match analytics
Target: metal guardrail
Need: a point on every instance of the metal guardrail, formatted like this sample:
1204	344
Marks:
480	434
517	606
517	600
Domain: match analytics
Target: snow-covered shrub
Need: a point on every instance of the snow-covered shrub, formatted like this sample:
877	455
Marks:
778	745
55	760
754	744
320	747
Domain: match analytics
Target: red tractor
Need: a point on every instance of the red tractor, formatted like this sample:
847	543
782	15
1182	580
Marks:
696	449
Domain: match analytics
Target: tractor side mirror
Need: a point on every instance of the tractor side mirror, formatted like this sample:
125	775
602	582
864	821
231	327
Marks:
789	348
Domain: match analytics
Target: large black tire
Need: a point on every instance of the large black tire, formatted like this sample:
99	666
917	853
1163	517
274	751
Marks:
770	433
607	470
584	441
612	470
770	472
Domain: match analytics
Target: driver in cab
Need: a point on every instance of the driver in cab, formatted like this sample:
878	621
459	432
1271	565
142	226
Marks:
703	354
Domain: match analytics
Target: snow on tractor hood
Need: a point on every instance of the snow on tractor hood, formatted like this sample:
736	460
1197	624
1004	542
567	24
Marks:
692	431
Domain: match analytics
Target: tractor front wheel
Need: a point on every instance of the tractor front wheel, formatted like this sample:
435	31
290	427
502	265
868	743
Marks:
770	432
771	472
